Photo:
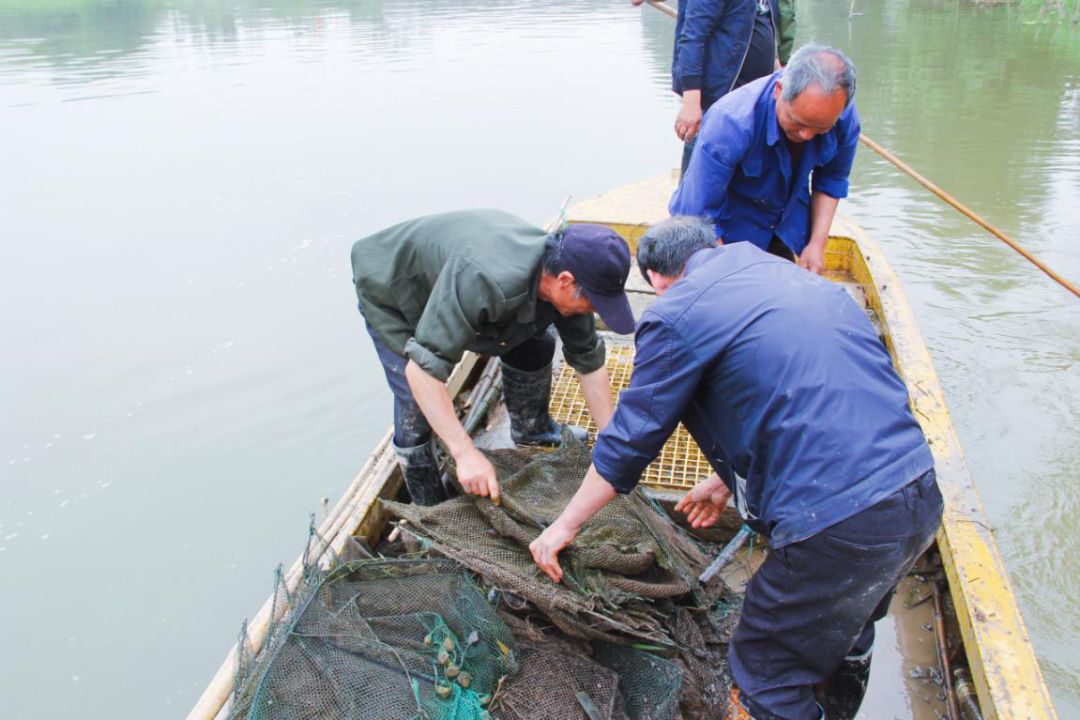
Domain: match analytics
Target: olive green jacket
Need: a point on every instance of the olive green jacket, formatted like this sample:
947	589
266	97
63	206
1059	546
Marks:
785	30
434	287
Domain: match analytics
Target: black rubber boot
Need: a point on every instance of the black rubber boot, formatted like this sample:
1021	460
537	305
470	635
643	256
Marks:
842	694
423	479
528	394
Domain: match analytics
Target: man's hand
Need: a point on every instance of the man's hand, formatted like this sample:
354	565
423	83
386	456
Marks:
812	258
704	504
822	212
595	492
689	118
545	549
477	475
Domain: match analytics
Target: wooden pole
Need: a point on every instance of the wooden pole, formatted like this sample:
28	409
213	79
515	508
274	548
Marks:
664	8
977	219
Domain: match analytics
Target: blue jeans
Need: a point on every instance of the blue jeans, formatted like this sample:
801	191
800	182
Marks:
411	428
815	602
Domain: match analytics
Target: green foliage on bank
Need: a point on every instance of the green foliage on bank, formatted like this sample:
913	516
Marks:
1051	13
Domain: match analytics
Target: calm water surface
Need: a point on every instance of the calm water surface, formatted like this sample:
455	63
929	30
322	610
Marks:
185	376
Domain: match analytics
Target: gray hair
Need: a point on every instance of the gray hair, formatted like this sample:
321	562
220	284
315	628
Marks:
820	65
668	244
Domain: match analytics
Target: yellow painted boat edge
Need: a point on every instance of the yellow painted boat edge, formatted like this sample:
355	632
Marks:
1006	673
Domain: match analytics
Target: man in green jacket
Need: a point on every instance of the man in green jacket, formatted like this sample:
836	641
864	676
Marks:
483	280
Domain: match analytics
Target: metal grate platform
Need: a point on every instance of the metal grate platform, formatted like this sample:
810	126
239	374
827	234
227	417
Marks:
680	465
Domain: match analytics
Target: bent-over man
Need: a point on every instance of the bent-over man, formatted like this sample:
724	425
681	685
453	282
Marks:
791	395
772	158
483	280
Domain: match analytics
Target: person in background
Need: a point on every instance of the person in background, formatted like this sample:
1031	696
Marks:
792	397
773	158
483	280
721	45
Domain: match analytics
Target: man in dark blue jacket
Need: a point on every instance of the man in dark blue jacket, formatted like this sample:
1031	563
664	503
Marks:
786	387
721	45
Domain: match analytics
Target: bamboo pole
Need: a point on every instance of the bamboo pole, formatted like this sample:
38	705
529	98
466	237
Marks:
943	653
664	8
977	219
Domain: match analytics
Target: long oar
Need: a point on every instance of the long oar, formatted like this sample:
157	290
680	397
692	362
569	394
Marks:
910	172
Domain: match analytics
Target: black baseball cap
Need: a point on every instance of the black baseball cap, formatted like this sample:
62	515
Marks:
600	262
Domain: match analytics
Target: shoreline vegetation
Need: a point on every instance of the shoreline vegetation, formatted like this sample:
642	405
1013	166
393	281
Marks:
1065	12
1050	11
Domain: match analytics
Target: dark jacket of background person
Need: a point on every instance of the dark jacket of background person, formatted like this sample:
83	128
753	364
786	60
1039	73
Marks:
434	287
779	377
712	38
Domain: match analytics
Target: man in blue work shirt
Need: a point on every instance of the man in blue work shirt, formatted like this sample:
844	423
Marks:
791	395
773	157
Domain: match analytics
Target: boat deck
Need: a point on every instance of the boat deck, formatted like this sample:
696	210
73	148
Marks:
1004	670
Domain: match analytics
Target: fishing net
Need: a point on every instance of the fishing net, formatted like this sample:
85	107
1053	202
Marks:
624	563
560	678
629	635
382	639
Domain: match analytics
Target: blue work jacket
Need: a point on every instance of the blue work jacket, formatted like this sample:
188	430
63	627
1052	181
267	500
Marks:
780	379
741	177
712	38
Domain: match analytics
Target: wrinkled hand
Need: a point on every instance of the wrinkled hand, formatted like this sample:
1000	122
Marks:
812	258
545	549
688	121
476	475
704	504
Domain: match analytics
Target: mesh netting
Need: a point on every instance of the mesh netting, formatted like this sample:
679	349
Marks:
628	635
560	677
625	559
383	639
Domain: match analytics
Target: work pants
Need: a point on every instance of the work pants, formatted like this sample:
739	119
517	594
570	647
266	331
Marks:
815	602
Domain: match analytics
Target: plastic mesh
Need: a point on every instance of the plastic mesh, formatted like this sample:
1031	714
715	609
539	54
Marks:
382	639
680	464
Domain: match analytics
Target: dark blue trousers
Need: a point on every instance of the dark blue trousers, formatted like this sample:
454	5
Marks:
815	602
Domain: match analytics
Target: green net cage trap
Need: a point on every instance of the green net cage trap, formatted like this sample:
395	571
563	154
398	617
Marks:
382	639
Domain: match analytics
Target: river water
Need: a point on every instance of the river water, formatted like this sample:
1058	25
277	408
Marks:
184	375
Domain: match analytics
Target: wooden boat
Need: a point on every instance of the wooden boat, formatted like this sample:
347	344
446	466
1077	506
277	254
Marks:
1005	678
